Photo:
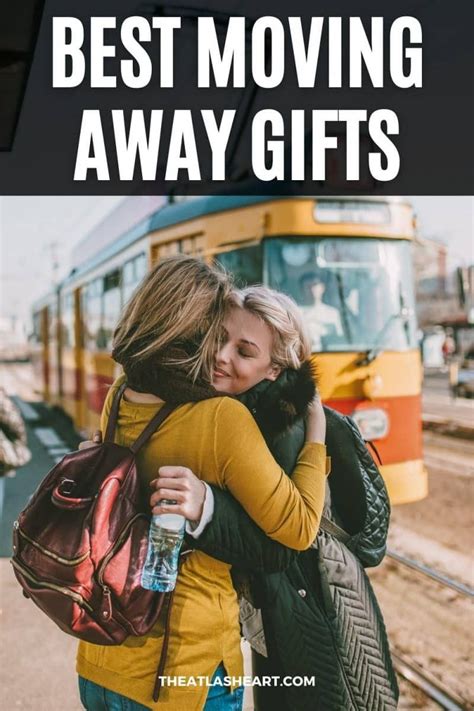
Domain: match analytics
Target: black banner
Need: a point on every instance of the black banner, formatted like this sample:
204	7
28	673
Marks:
201	97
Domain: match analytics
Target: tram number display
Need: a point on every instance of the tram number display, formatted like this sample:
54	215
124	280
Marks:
335	211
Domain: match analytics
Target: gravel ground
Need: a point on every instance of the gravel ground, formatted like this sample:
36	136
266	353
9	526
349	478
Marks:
428	623
447	515
411	698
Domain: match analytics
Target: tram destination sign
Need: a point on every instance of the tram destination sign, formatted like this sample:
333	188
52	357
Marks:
215	96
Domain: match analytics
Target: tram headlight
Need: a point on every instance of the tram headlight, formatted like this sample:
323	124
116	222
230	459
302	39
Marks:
373	423
372	385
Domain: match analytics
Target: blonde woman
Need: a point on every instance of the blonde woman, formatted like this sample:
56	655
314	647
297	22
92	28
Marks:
166	341
286	601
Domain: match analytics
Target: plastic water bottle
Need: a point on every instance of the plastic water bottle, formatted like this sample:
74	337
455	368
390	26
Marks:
164	542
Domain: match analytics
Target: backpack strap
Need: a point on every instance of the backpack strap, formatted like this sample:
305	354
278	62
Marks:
112	421
151	427
374	449
165	410
330	527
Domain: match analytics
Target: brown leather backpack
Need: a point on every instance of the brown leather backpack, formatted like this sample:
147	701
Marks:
80	544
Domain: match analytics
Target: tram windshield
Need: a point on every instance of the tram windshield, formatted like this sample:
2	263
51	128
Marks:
355	294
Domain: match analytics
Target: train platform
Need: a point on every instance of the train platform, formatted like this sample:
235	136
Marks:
36	658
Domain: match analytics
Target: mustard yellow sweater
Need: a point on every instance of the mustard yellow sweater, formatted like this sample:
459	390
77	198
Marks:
219	440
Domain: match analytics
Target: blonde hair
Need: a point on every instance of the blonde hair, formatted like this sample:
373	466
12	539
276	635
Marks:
291	343
179	305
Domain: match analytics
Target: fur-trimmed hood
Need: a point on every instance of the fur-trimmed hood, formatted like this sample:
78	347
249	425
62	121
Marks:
277	405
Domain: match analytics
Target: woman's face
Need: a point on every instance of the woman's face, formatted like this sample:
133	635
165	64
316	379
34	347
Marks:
244	358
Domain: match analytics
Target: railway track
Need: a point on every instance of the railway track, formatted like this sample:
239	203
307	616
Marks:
444	450
449	455
426	682
428	572
407	668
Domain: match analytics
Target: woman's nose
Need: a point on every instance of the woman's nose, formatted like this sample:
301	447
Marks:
223	354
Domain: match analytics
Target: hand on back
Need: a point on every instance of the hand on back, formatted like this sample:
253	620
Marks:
96	439
316	422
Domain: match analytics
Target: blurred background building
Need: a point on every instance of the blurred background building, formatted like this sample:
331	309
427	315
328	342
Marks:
437	296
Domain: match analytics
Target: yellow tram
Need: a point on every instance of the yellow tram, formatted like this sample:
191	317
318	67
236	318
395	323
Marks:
346	261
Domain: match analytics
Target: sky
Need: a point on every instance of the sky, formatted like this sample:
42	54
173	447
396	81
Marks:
38	233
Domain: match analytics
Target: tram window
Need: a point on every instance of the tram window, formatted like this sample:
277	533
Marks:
140	266
355	293
93	331
112	280
128	272
36	335
112	306
335	253
132	273
168	250
129	279
245	264
52	322
67	321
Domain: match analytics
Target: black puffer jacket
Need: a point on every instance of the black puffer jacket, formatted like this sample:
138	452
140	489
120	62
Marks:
320	616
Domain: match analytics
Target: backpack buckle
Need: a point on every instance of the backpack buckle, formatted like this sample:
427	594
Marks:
66	487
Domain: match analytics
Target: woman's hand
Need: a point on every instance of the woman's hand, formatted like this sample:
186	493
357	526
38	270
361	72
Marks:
96	439
181	485
316	422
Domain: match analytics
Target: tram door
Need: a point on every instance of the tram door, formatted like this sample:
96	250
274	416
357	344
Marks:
39	352
71	355
54	354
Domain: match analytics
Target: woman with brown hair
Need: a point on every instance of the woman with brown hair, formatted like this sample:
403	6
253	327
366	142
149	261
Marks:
166	342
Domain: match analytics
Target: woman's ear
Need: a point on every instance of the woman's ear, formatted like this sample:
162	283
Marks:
273	372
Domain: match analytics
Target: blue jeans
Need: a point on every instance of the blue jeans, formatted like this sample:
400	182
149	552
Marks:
97	698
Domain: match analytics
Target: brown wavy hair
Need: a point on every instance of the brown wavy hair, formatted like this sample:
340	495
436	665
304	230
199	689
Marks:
175	317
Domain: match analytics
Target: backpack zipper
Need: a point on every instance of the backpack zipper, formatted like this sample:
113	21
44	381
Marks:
51	586
113	550
55	556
